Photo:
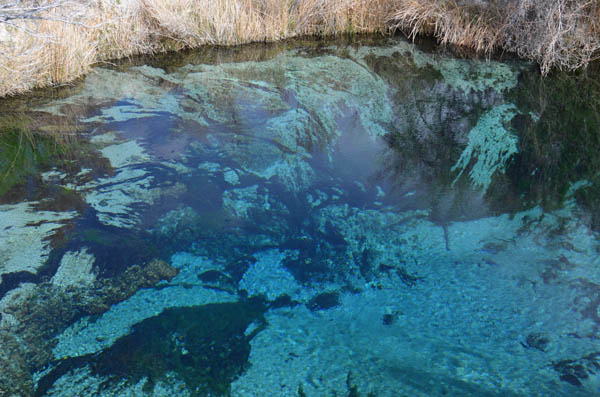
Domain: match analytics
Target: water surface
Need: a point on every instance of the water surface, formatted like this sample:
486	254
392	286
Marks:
313	218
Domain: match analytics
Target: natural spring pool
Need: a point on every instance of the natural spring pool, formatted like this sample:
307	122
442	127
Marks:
317	218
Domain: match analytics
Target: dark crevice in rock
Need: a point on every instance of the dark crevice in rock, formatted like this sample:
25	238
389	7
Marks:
205	346
10	281
576	371
324	301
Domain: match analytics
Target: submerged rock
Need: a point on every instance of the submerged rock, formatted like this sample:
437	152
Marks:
25	231
579	370
92	334
267	277
43	310
324	301
76	269
16	379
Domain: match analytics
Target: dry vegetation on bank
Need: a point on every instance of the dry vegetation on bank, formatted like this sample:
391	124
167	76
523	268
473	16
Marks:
49	42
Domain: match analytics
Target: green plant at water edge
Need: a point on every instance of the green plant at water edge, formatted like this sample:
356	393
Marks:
20	156
32	143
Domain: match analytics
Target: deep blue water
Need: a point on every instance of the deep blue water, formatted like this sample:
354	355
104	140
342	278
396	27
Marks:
372	217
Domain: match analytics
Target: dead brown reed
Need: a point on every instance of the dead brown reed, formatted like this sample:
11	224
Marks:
75	34
559	33
37	53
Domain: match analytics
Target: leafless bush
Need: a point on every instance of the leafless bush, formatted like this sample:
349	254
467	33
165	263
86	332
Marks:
556	33
562	33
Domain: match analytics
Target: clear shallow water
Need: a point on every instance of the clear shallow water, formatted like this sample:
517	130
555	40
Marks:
305	219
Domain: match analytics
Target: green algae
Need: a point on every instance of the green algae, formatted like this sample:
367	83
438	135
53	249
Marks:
490	146
469	75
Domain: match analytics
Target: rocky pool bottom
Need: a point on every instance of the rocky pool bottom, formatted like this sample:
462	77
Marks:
367	218
511	319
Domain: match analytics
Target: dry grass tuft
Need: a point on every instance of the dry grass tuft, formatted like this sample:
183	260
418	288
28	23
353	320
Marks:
47	52
472	27
72	35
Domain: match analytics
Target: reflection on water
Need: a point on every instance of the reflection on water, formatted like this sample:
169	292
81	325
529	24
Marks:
366	218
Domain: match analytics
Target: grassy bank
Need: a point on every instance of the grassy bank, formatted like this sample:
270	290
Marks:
50	42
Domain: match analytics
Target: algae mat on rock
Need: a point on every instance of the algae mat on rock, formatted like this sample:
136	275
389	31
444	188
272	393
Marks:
329	218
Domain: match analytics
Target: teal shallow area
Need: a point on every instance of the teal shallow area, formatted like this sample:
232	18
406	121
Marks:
363	218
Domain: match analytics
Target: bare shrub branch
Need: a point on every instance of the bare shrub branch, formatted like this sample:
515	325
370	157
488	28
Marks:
555	33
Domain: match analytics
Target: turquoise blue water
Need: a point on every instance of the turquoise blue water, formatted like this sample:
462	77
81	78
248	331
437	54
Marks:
364	218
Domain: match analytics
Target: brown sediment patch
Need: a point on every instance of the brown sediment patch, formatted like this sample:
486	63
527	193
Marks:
42	311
